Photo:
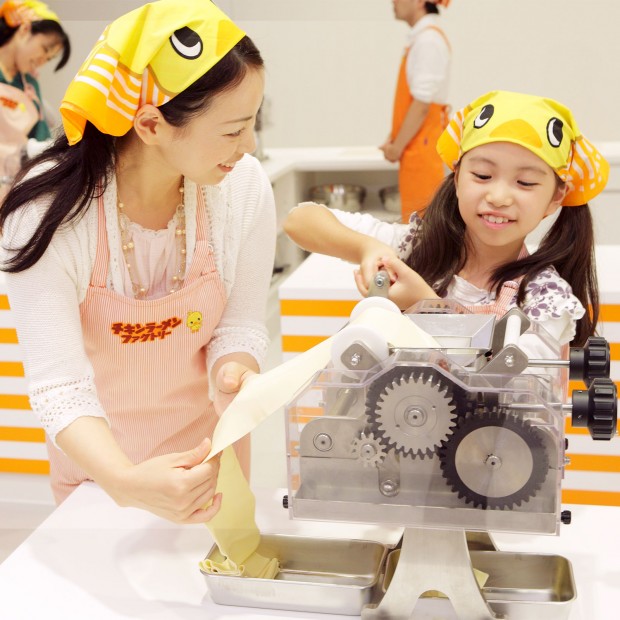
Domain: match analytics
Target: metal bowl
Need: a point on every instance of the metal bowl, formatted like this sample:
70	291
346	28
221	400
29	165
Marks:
390	198
339	196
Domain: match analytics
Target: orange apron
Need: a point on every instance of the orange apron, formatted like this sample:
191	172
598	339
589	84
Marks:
421	169
149	360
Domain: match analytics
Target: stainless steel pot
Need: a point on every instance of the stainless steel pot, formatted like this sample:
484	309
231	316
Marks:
339	196
390	198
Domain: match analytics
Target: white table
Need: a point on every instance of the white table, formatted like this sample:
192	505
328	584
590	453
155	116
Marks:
93	560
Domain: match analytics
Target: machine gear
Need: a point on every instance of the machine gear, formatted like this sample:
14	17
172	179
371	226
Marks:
369	450
411	411
494	460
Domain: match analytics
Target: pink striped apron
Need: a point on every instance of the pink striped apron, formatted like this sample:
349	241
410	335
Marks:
149	359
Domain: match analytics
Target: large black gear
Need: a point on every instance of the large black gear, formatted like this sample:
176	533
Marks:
494	460
411	410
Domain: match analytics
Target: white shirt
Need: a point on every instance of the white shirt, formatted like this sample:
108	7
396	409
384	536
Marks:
45	299
428	61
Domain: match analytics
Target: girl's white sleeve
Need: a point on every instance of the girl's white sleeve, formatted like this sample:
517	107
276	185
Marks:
44	302
390	233
242	326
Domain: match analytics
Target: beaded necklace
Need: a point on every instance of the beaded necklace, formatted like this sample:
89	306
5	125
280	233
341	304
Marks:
141	291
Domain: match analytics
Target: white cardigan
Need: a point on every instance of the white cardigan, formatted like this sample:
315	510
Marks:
45	298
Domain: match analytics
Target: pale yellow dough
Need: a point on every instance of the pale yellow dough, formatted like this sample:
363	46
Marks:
233	528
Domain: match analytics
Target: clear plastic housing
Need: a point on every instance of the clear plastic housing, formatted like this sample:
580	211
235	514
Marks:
435	437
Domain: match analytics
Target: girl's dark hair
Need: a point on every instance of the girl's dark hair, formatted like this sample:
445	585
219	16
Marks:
439	251
77	174
431	7
41	26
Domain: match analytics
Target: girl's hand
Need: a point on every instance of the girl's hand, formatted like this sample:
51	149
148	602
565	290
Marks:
229	379
177	486
370	264
407	287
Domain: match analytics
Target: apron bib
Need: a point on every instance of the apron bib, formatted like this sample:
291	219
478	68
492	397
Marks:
420	168
149	360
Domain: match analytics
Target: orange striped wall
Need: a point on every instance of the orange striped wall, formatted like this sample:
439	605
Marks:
596	472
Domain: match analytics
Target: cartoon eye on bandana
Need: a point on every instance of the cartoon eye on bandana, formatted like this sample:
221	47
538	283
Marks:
484	117
186	43
555	132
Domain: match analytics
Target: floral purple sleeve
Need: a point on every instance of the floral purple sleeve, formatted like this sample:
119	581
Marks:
406	243
548	296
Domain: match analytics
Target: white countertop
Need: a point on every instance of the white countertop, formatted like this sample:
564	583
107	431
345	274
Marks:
281	161
93	560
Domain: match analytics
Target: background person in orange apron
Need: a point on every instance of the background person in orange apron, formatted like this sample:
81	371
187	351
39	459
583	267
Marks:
138	252
516	159
420	112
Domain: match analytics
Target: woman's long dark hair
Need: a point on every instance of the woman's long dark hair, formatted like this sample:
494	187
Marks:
440	251
41	26
76	173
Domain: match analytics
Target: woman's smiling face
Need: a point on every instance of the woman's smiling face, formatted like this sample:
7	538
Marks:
504	192
208	147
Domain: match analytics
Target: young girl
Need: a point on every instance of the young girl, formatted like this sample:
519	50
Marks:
139	251
516	159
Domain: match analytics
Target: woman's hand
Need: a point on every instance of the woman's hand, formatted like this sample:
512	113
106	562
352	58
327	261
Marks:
407	287
229	379
178	486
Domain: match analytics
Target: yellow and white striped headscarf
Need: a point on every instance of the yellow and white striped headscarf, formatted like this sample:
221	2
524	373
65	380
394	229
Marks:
541	125
146	56
18	12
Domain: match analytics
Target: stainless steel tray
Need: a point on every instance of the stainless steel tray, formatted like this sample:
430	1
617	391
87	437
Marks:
317	575
523	586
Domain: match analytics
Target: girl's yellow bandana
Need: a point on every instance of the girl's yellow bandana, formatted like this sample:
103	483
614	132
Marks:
16	12
146	56
543	126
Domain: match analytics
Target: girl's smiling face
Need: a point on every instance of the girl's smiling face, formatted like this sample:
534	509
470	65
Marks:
504	191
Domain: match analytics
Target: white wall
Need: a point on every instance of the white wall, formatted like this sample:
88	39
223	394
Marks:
332	64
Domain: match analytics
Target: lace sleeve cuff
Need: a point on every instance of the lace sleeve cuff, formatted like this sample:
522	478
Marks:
58	405
237	340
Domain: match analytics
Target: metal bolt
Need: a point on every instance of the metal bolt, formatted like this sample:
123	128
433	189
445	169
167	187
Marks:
380	280
323	442
415	416
356	358
494	462
510	361
367	451
389	488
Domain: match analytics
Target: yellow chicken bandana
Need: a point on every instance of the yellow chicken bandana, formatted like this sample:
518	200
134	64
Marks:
15	12
543	126
146	56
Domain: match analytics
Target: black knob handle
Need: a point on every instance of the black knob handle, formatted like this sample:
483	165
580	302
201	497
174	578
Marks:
566	517
590	362
285	501
597	408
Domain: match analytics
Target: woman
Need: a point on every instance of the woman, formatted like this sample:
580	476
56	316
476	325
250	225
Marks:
30	36
146	237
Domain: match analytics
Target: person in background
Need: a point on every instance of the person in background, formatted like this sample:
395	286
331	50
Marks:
30	36
420	104
138	252
516	159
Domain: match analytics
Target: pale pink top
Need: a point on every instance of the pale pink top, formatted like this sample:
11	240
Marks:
156	259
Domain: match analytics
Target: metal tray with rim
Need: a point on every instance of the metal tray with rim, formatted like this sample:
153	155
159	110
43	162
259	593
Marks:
317	575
